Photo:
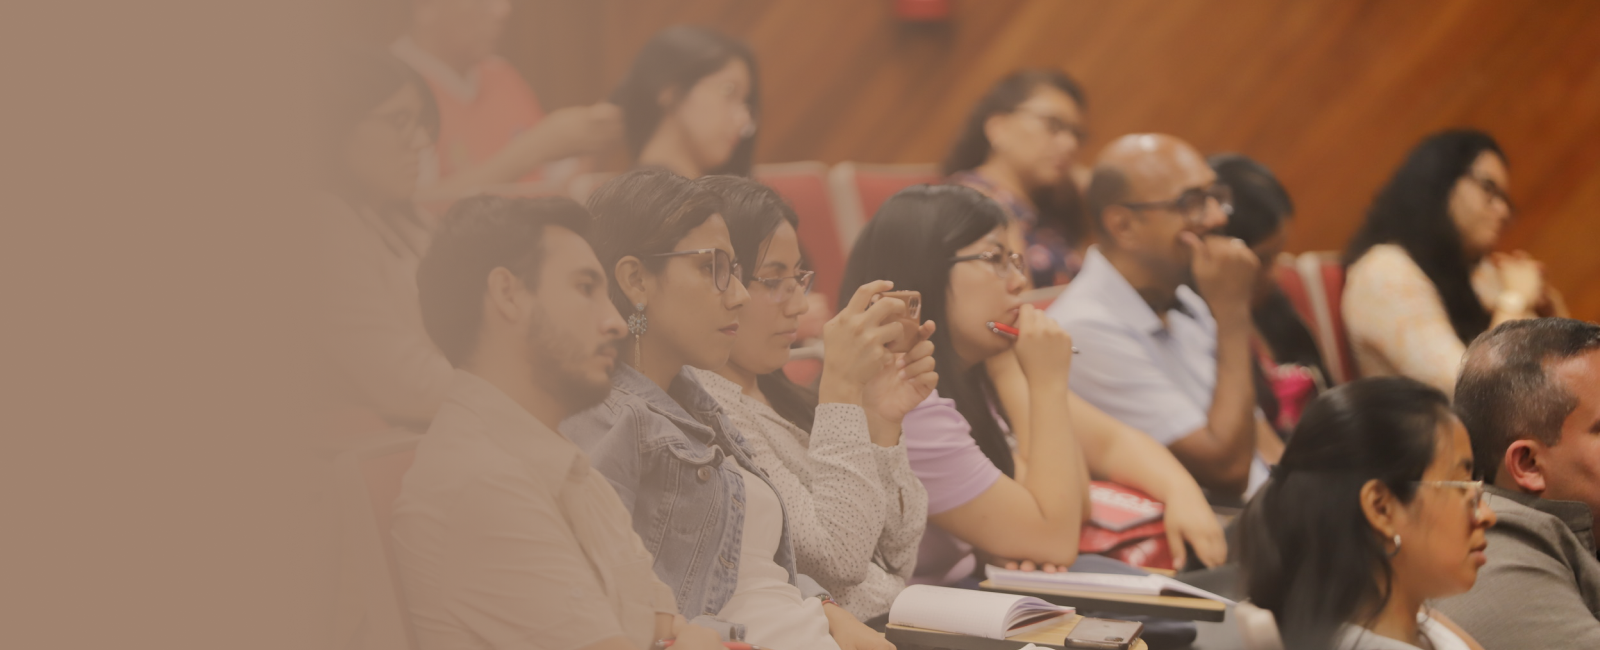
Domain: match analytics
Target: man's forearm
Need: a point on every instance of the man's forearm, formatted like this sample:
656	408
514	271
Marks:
1233	401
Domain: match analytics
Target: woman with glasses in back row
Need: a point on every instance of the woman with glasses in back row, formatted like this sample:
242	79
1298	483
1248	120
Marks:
1422	278
1371	513
856	511
708	513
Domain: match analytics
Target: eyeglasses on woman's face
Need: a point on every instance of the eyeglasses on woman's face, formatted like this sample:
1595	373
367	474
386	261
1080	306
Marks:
1472	490
784	289
1191	204
723	268
1003	264
1493	190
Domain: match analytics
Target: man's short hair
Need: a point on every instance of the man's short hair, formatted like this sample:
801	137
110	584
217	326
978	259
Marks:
1107	187
1506	393
478	235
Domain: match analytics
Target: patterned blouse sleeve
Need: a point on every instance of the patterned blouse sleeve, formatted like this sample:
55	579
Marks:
905	510
1393	310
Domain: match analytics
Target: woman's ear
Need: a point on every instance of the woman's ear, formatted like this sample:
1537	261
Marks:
1524	467
1382	508
994	129
636	281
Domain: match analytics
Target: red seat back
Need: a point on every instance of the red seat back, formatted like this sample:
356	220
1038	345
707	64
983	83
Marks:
805	186
860	189
1314	283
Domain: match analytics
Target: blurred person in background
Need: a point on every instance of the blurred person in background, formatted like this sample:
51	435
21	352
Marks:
377	122
1018	147
492	129
1288	370
504	536
691	102
973	449
1161	311
1422	278
712	517
856	511
1372	513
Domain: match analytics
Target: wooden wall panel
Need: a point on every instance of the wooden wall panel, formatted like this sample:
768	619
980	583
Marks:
1329	93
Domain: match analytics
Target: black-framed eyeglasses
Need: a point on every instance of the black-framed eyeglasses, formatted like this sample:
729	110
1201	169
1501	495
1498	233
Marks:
1056	126
1493	189
723	268
1191	204
782	290
1002	263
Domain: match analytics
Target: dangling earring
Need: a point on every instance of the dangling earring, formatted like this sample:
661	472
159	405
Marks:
637	324
1396	550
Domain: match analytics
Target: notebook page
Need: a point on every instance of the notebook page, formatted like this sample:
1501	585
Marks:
960	611
1148	585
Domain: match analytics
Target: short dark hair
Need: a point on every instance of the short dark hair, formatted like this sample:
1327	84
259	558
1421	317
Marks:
1107	187
1505	392
478	235
1260	203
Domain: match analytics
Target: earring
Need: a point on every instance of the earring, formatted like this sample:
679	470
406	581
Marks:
637	324
1396	550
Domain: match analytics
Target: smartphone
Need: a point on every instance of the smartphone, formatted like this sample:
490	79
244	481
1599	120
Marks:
1104	634
910	324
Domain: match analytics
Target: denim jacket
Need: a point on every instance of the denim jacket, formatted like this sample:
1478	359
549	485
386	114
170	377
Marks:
663	452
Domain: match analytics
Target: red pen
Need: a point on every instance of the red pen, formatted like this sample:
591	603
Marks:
1011	332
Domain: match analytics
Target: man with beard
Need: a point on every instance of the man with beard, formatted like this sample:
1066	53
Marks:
503	534
1157	355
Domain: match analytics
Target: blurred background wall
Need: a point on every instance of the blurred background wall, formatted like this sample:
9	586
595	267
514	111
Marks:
1329	93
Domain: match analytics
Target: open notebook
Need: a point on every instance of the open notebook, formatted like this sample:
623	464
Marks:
978	613
1146	585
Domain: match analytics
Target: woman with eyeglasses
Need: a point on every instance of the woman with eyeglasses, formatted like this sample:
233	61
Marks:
856	512
1422	278
950	243
1018	147
707	512
690	103
1371	513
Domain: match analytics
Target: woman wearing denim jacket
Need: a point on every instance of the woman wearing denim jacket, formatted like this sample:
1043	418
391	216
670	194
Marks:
703	507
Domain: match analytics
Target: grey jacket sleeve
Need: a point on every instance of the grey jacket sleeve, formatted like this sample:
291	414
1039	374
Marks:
1525	597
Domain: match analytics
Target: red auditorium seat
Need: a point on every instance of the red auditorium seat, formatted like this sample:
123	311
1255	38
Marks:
858	189
1314	282
372	609
805	186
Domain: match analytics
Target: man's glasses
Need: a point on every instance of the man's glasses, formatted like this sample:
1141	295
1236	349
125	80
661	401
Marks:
1191	204
723	268
1474	491
782	290
1002	263
1494	191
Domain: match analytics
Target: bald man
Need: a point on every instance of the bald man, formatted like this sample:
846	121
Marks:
1158	356
492	129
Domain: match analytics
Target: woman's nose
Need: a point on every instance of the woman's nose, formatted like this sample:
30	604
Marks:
735	296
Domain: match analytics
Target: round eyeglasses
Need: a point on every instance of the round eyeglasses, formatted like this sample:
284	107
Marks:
723	268
782	290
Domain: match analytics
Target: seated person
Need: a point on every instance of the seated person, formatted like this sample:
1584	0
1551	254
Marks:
949	243
691	102
1288	367
1529	395
1371	514
1412	299
711	516
856	511
492	130
377	122
504	536
1018	148
1156	355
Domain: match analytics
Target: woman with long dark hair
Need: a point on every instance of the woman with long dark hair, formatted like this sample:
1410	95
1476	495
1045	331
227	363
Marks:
709	515
690	103
377	119
1421	279
1018	147
951	244
1372	512
1288	370
855	510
